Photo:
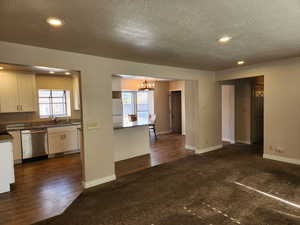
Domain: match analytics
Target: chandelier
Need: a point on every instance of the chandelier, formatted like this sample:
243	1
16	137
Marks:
147	85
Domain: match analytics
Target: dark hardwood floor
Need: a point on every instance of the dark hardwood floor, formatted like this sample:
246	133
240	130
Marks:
45	188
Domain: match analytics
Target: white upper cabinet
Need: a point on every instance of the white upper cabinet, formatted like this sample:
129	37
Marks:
9	92
27	92
17	92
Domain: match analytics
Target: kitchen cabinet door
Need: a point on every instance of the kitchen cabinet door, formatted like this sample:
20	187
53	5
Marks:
71	141
27	92
62	139
9	92
56	143
16	145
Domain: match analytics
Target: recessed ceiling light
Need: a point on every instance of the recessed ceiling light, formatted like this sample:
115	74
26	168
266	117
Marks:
224	39
241	62
52	72
1	68
55	22
67	73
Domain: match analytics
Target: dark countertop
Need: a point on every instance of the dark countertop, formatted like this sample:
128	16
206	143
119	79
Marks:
5	138
39	126
126	124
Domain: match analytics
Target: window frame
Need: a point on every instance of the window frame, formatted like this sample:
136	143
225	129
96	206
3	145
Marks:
52	103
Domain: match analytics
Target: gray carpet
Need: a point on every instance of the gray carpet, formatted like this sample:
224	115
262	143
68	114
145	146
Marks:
233	185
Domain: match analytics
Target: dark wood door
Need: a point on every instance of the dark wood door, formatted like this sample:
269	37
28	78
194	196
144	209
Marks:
257	125
176	111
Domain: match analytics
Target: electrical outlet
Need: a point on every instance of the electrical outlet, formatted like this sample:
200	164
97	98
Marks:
279	150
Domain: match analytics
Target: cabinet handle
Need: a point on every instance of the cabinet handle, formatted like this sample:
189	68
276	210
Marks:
21	107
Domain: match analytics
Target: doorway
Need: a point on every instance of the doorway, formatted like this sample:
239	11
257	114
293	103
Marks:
175	112
53	114
243	111
257	112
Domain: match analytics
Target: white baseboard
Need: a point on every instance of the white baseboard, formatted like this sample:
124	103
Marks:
282	159
89	184
190	147
243	142
209	149
228	140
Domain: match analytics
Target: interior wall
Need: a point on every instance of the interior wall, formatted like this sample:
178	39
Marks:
130	84
243	96
97	104
161	107
228	113
43	82
179	85
281	111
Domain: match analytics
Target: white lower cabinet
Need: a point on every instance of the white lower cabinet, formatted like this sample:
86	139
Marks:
7	175
62	139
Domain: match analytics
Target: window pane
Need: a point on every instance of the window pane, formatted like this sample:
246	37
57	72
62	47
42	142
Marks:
142	102
58	93
59	109
44	100
52	103
143	116
45	110
127	98
58	100
44	93
128	104
142	97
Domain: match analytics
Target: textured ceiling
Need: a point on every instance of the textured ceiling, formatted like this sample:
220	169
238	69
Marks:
174	32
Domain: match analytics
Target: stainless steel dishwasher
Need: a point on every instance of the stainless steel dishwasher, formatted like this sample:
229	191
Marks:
34	144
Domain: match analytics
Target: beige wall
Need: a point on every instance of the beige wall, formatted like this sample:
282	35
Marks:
281	111
130	84
161	107
97	105
43	82
228	113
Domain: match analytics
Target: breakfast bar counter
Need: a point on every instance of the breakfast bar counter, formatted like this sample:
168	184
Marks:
131	139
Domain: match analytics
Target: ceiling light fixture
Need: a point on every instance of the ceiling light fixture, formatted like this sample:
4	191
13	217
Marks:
55	22
224	39
1	68
147	85
241	62
67	73
52	72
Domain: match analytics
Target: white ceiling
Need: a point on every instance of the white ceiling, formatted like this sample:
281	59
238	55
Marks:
174	32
